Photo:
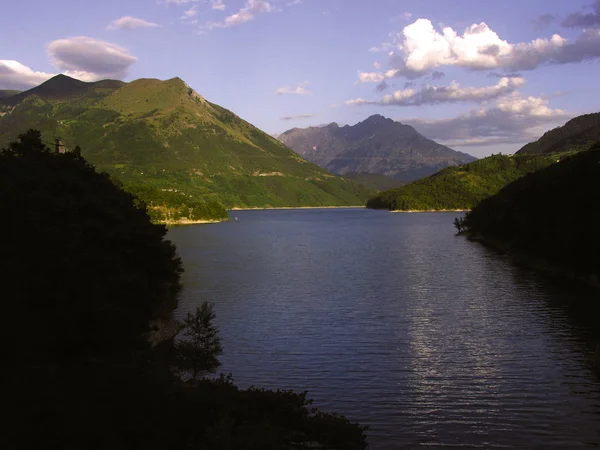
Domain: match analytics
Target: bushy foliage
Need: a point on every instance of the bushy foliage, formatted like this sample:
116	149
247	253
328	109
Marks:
83	271
552	215
199	347
75	248
461	187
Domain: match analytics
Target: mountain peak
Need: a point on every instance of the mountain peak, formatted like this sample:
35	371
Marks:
377	118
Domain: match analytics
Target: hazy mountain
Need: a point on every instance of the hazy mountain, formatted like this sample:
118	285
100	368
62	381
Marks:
8	93
577	134
171	146
376	145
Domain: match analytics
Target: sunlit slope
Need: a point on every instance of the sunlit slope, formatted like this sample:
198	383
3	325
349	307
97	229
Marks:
162	137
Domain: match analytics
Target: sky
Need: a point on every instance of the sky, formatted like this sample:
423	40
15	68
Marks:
481	76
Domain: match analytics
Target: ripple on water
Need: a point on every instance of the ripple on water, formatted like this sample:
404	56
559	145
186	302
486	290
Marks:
430	339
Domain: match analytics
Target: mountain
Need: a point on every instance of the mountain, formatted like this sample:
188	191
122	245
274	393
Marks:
7	93
374	181
172	147
577	134
376	145
548	219
463	187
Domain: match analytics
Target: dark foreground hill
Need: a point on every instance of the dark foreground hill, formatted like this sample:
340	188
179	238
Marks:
84	274
377	145
172	147
577	134
461	187
550	218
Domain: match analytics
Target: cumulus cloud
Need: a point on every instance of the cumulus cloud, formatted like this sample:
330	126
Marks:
420	49
218	5
511	120
131	23
14	75
454	93
298	117
577	20
89	59
245	14
298	90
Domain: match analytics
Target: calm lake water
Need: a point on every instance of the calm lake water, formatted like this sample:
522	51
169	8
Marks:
390	319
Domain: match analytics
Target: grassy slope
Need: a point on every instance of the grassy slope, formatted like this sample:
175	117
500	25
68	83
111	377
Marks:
461	187
164	141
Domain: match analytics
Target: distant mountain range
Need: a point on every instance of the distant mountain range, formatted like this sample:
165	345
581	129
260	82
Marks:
577	134
465	186
377	146
171	146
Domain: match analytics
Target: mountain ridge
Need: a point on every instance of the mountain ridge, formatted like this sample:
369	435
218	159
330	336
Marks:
377	145
172	147
577	134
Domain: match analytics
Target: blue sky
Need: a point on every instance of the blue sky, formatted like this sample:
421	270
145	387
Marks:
481	76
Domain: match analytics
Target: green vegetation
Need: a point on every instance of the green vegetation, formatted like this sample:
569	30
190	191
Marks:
576	135
550	218
374	180
461	187
172	148
88	282
8	93
197	353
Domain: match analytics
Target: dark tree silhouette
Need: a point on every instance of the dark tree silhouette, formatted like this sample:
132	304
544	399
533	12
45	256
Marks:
198	351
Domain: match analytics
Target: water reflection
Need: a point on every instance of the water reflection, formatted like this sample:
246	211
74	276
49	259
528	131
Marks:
389	318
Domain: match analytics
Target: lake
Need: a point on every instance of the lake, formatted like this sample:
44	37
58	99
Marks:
392	320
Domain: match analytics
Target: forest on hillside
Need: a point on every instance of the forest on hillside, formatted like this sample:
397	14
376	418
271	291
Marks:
88	286
461	187
551	216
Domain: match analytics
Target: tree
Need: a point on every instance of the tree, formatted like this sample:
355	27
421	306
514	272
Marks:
198	351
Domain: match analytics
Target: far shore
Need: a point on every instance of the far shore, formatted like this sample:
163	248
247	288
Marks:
297	207
429	210
171	223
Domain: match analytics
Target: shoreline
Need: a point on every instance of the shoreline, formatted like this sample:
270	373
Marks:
428	210
296	207
170	223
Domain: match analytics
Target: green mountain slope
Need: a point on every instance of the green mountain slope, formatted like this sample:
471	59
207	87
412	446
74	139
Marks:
7	93
172	147
550	217
461	187
374	180
577	134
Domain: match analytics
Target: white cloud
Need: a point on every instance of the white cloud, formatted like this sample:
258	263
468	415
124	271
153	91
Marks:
190	13
89	59
131	23
511	120
298	117
454	93
245	14
294	2
218	5
298	90
14	75
420	48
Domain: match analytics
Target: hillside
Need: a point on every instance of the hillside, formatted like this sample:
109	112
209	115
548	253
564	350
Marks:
461	187
577	134
7	93
374	181
549	218
376	145
172	147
